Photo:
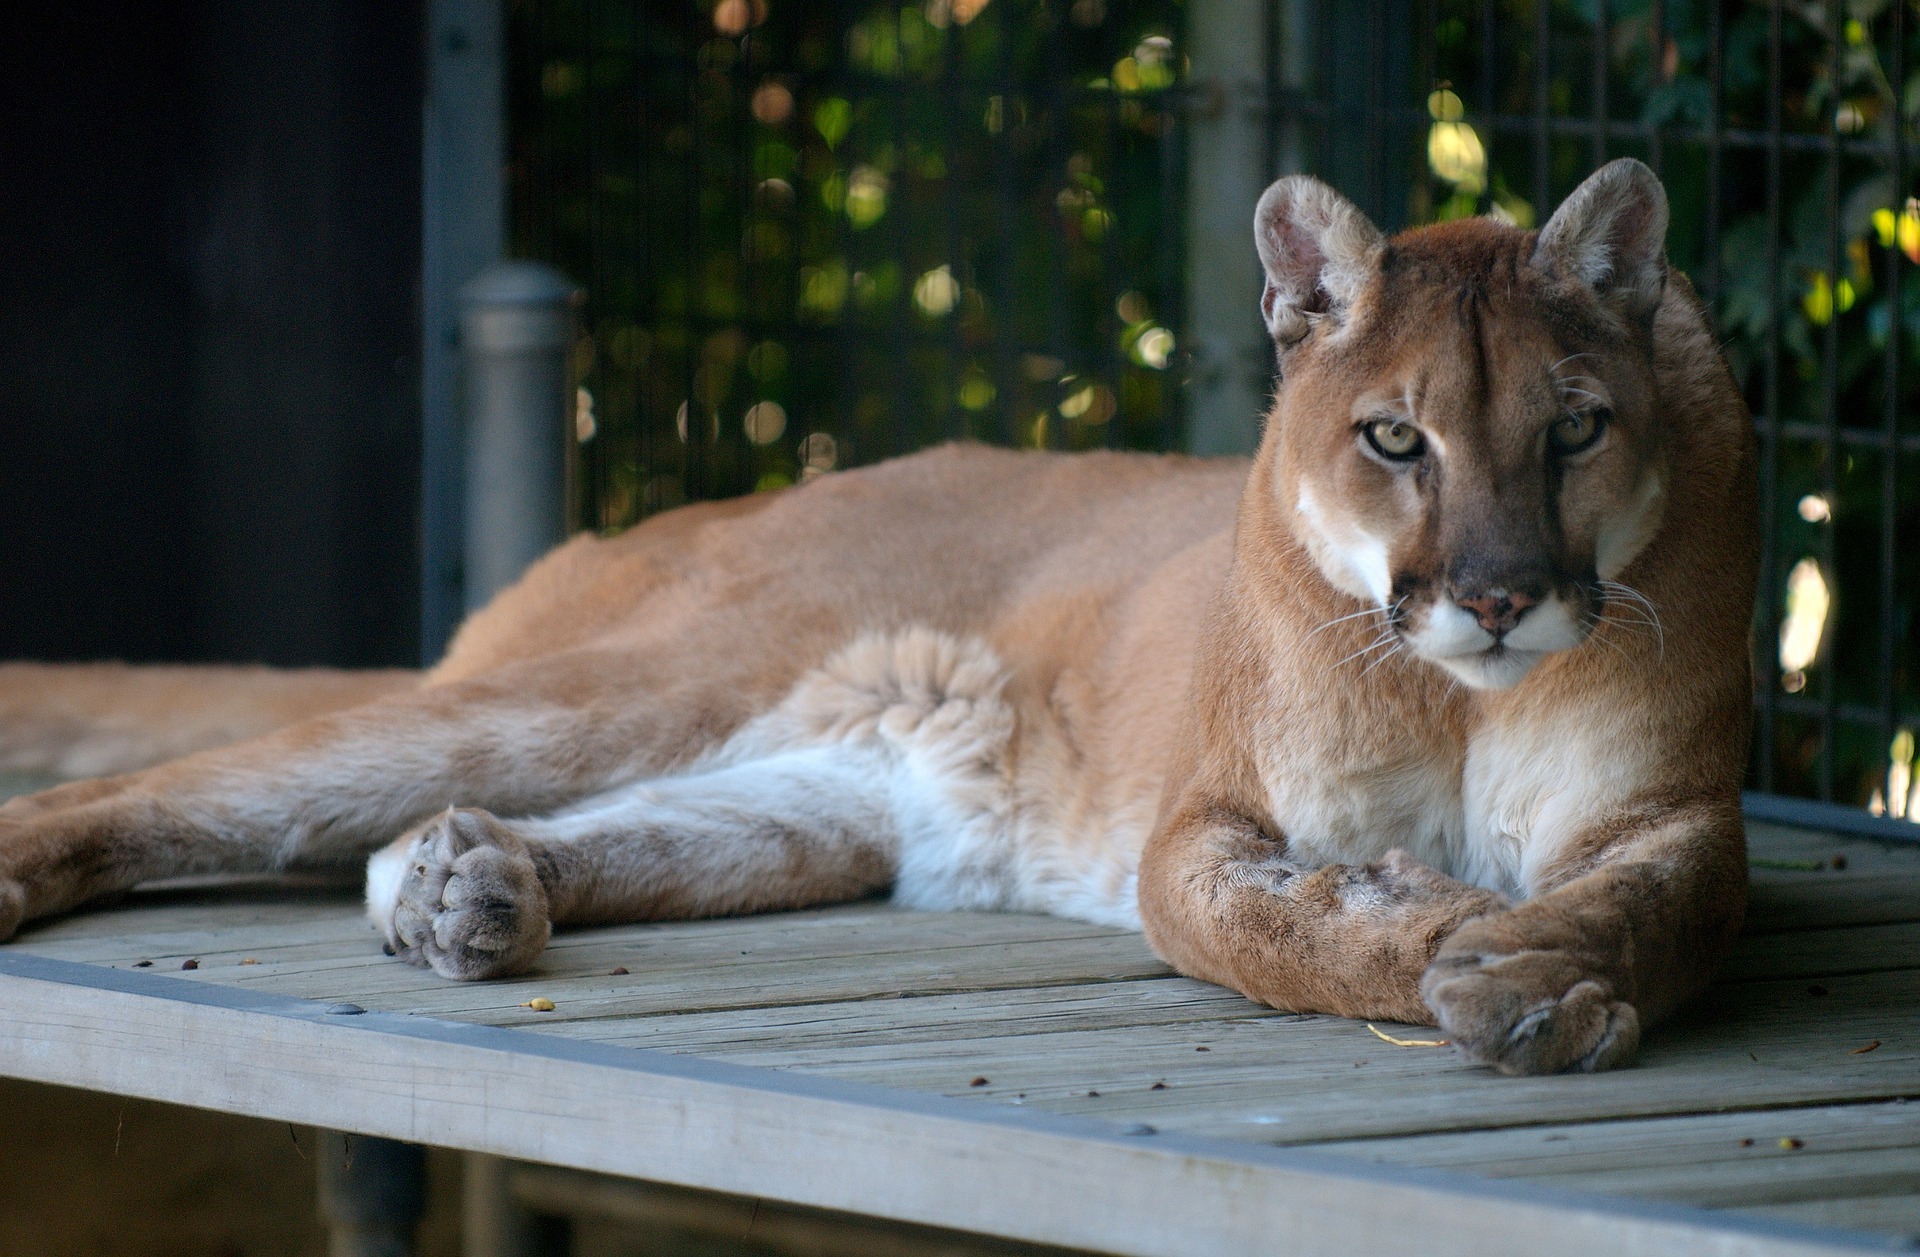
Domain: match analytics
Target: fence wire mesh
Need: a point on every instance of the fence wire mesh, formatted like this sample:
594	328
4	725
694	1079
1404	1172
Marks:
820	234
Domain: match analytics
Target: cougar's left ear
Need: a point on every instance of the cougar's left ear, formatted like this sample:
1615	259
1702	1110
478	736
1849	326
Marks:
1319	250
1611	235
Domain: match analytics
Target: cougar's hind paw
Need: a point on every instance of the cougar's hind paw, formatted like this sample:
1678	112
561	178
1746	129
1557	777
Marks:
467	902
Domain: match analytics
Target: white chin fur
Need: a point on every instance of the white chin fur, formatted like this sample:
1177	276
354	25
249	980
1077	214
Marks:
1451	638
1493	669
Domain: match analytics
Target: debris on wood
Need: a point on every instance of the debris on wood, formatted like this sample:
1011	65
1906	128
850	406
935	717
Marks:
143	964
1203	1048
618	971
1385	1037
189	964
248	960
1863	1049
1789	1143
1158	1086
978	1082
539	1004
1093	1095
1746	1143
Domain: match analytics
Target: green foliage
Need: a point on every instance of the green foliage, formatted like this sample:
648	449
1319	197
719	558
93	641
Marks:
899	223
893	222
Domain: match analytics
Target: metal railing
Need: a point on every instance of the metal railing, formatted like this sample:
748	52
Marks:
821	234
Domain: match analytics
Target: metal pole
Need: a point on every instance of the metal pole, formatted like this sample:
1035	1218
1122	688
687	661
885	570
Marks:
1232	358
372	1193
516	327
463	231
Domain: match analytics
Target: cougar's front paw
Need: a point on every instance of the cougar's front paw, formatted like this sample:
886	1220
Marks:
1525	1011
461	895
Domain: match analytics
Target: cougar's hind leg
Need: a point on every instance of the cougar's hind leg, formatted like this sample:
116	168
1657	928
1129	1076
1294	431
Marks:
522	739
475	895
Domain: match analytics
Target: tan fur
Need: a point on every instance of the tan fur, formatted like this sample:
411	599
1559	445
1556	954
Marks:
994	679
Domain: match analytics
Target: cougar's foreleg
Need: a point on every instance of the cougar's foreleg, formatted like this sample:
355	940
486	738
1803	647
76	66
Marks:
474	895
1634	921
1221	901
526	738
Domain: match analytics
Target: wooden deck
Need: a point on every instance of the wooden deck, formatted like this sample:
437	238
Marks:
1034	1078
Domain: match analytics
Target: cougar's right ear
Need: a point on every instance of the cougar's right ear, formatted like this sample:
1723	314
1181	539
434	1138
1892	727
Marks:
1319	251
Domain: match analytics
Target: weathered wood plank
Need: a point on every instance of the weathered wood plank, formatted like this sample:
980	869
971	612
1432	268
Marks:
1287	1079
1721	1160
1780	902
843	953
704	1125
1890	1215
1825	953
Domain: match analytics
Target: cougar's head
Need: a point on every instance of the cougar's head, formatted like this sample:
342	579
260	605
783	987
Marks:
1466	433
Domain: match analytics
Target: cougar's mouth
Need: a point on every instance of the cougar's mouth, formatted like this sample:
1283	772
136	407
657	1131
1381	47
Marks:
1450	636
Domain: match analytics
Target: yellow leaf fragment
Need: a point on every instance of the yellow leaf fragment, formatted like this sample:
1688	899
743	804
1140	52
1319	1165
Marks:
1381	1034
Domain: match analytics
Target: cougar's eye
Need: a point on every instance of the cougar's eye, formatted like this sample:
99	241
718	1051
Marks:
1578	430
1395	439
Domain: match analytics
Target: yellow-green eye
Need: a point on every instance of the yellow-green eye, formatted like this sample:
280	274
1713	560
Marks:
1395	439
1577	430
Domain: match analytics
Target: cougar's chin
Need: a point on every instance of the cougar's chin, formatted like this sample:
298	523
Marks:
1450	638
1498	667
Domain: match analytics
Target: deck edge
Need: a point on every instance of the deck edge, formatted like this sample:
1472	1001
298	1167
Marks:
828	1143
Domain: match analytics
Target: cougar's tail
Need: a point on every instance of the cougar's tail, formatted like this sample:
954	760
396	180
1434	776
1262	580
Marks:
91	719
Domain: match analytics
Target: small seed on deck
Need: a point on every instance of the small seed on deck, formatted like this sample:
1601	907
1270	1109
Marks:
249	961
1746	1143
978	1082
539	1004
1790	1143
143	964
189	964
1864	1048
1158	1086
617	972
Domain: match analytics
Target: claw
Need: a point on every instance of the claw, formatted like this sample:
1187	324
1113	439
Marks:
462	897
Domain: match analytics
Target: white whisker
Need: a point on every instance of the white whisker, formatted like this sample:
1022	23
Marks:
1569	358
1391	654
1342	619
1627	597
1385	638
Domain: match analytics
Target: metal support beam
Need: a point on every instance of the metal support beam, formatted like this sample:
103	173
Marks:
372	1193
516	326
1226	172
464	232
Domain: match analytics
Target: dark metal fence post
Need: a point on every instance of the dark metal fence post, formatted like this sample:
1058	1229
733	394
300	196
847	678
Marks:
372	1193
516	328
463	231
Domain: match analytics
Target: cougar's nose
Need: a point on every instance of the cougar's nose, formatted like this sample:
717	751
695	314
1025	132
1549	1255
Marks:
1497	610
